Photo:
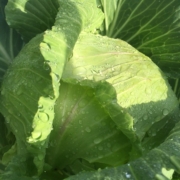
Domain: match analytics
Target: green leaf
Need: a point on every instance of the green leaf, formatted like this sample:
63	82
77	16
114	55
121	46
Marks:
130	87
150	26
19	168
10	42
7	139
31	17
109	9
41	15
31	85
157	164
80	119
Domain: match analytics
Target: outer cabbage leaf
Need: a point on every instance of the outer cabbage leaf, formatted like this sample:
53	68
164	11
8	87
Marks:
10	42
40	15
31	85
6	138
130	87
109	9
158	164
150	26
31	17
85	131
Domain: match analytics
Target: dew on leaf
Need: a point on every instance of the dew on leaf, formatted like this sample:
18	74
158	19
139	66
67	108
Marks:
128	175
150	112
46	66
56	77
3	92
153	134
88	129
97	141
7	121
40	106
43	116
19	91
145	117
165	112
36	134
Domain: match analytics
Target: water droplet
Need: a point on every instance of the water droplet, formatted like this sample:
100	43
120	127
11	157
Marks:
127	175
150	112
8	118
43	116
7	121
46	66
165	112
3	91
153	134
43	142
36	134
145	117
97	141
56	77
40	106
88	129
19	91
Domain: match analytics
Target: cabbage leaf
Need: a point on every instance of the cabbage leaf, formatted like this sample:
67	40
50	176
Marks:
79	101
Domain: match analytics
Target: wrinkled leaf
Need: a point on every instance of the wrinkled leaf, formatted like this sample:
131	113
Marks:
158	164
80	119
150	26
31	17
34	78
130	87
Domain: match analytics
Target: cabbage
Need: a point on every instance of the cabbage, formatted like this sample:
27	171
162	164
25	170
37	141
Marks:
82	99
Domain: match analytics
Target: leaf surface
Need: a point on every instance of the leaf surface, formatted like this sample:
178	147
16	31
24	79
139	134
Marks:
31	17
158	164
32	82
80	119
10	42
152	27
130	87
